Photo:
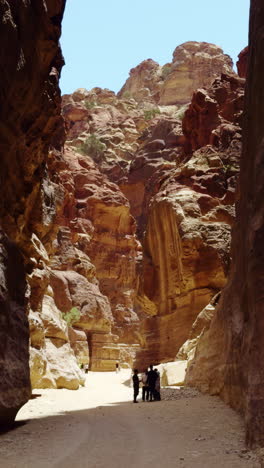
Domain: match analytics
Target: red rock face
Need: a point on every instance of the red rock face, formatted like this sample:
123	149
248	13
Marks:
242	63
214	114
234	343
29	119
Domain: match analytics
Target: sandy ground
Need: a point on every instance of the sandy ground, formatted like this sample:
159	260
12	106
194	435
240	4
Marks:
98	426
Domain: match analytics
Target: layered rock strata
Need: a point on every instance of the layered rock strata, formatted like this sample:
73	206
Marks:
228	357
30	122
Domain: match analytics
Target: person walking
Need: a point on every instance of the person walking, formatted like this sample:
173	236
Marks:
145	387
152	377
135	385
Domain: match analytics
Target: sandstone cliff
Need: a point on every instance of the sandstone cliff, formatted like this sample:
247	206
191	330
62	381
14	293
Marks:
190	209
96	239
179	178
30	123
229	354
69	241
194	65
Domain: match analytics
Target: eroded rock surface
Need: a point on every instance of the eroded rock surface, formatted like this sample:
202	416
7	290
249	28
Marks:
179	178
29	125
194	65
242	63
228	357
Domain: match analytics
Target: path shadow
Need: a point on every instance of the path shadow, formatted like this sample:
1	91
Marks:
127	383
12	427
35	395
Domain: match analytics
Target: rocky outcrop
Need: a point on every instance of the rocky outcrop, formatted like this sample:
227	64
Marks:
29	124
242	63
228	356
144	82
194	65
215	114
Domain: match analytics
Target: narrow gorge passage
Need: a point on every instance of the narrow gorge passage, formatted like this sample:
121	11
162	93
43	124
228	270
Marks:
99	426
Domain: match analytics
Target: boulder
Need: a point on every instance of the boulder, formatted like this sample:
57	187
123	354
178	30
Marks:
63	365
172	373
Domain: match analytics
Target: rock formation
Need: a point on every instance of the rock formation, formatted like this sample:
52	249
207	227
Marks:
229	355
194	65
120	239
88	282
94	257
30	122
242	63
182	191
179	178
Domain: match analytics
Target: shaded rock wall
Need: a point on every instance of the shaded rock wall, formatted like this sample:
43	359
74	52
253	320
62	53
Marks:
242	63
229	355
30	123
14	333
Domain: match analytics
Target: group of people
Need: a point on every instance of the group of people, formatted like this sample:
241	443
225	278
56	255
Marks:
150	380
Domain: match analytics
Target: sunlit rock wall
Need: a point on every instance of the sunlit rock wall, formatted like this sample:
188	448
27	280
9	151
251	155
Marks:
194	65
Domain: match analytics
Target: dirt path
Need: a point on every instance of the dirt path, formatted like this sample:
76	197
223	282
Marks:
98	426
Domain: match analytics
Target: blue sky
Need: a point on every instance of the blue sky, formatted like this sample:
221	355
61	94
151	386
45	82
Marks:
103	39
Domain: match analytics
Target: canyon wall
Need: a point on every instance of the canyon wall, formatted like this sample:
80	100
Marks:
190	210
30	122
177	172
230	353
94	258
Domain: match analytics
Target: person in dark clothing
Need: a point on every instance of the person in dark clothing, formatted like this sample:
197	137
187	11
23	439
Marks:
157	386
145	387
135	385
152	377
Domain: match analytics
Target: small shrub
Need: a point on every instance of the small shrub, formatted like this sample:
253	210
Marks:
90	104
126	95
180	113
165	71
72	316
93	147
151	113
